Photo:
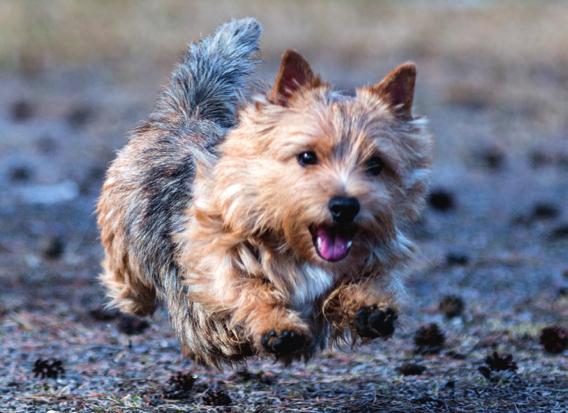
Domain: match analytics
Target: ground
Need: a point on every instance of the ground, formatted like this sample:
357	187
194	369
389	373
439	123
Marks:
493	80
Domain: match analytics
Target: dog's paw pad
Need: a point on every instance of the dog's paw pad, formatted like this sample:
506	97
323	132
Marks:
372	322
284	343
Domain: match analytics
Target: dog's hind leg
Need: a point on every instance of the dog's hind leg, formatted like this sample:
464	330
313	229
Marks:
127	292
128	289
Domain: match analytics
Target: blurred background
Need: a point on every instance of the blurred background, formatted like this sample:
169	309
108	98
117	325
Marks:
75	76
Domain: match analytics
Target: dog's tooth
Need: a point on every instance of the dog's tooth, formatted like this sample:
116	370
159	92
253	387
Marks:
319	242
349	243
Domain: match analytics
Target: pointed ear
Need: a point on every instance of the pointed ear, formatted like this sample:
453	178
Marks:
294	74
397	89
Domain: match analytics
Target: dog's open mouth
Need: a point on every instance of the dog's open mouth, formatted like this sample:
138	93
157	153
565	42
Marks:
332	243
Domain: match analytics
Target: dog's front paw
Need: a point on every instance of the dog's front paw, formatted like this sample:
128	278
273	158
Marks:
372	322
285	343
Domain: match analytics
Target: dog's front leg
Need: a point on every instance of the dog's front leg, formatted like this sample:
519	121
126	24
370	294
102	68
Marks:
273	326
362	308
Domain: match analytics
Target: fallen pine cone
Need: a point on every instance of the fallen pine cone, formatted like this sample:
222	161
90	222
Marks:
545	210
244	375
500	362
216	397
452	306
411	369
429	339
132	326
20	173
458	259
492	158
22	110
559	233
554	339
496	362
52	248
48	368
179	386
441	200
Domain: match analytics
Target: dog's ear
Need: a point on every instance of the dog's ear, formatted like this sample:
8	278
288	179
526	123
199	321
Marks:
294	73
397	90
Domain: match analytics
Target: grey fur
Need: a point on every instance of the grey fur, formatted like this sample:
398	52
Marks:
148	186
211	78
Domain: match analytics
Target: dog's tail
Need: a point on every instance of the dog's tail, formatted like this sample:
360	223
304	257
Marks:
213	76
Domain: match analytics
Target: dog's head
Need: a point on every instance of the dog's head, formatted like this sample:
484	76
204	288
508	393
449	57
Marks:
328	177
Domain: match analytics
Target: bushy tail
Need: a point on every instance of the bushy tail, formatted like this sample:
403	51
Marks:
212	78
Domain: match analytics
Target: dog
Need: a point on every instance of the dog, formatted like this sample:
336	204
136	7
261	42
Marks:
269	223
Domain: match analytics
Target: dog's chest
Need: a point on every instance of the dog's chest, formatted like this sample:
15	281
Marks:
311	283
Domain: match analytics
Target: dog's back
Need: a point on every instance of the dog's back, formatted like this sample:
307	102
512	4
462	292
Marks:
148	186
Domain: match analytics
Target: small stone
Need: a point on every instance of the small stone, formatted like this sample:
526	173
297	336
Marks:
21	111
451	306
411	369
429	339
52	248
554	339
132	326
441	200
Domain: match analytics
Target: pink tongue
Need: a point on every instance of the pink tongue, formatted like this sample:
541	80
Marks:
332	245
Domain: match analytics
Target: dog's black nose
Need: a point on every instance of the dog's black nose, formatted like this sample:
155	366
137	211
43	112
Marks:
343	209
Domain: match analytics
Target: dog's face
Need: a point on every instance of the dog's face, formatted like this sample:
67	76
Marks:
328	177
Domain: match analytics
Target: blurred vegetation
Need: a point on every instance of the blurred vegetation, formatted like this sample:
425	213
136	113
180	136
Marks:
37	32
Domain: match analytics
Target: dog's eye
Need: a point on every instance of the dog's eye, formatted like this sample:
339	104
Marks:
374	166
307	158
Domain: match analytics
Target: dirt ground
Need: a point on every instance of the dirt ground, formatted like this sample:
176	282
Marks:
493	80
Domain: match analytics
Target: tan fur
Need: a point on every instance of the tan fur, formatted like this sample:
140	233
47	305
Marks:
128	287
341	306
245	251
256	196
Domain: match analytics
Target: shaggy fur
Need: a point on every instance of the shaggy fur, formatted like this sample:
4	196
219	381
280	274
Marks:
210	208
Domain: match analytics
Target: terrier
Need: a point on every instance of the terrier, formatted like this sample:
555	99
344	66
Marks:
268	223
